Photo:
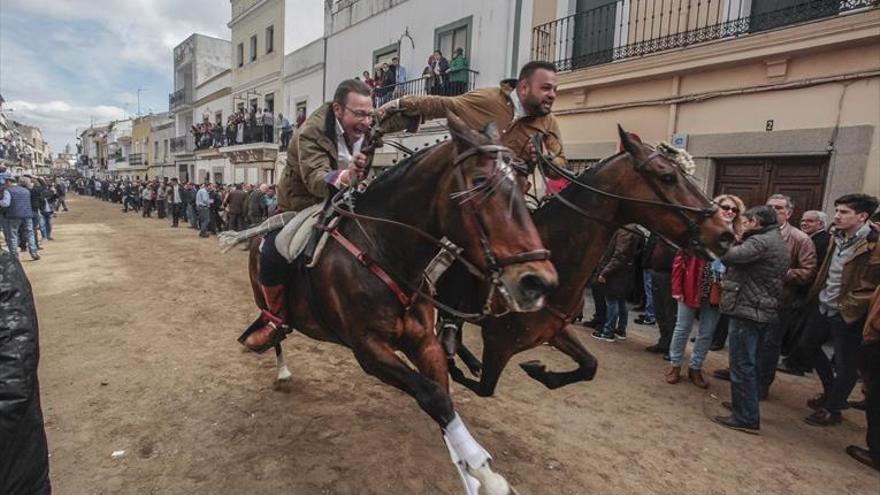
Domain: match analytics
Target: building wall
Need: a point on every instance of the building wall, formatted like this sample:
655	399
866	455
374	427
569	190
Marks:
353	37
304	79
262	74
819	84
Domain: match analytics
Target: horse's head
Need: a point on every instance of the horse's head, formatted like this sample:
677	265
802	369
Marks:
666	200
484	211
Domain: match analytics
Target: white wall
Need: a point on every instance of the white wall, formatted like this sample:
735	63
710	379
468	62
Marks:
303	79
350	50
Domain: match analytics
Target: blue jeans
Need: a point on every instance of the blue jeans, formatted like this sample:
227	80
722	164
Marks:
649	295
684	323
191	215
204	220
616	316
745	335
46	224
14	225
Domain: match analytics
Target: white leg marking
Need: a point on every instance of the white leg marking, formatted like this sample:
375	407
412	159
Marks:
284	374
472	461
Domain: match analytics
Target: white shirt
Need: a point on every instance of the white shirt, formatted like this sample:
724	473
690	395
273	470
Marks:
518	110
345	156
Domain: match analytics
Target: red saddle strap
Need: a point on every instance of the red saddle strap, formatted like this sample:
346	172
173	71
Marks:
365	259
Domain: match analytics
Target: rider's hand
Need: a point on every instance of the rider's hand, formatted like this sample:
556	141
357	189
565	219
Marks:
357	165
601	279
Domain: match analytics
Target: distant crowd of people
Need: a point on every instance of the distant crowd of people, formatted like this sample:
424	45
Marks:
209	208
255	126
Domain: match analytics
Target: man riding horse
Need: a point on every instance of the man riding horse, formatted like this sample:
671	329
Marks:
521	109
324	155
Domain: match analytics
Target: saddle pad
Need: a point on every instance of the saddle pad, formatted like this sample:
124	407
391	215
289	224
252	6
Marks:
292	239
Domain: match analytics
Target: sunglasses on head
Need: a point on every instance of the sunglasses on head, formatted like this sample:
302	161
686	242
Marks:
730	208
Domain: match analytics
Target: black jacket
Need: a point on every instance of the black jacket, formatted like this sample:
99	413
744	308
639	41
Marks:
24	456
820	242
618	264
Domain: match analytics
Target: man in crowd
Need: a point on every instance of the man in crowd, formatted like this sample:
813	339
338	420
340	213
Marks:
255	211
869	368
24	455
843	289
189	201
235	205
268	123
325	154
19	217
175	197
616	274
286	131
815	224
203	206
800	274
660	258
752	292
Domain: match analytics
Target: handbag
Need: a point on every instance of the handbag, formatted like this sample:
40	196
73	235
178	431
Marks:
715	293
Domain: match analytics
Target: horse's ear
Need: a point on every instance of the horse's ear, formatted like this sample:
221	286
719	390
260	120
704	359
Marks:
628	142
491	131
461	133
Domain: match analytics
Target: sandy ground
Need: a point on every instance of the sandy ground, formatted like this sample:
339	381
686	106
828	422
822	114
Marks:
138	325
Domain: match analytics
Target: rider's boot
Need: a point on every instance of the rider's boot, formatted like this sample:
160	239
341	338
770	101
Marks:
274	320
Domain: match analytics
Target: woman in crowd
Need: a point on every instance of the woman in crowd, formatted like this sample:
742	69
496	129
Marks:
695	283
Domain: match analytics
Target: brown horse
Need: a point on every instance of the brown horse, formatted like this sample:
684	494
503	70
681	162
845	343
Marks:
463	190
639	185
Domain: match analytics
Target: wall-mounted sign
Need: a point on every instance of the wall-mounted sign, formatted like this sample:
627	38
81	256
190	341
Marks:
680	140
768	126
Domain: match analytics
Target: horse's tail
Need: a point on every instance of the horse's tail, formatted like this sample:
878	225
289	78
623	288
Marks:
230	238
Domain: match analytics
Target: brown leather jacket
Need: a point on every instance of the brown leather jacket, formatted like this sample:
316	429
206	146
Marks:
872	325
861	276
481	106
311	155
802	270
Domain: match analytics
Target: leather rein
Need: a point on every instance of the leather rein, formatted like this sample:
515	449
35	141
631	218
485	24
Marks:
473	197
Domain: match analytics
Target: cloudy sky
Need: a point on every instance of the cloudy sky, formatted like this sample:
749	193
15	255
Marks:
65	62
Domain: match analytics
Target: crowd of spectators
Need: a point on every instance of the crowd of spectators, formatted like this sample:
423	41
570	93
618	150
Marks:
800	294
255	126
209	208
440	76
28	205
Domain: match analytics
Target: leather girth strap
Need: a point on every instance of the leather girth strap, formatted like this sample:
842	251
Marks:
365	259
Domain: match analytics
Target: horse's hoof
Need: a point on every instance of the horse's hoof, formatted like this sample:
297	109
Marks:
284	375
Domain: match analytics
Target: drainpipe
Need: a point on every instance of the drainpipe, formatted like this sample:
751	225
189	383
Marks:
324	79
672	125
517	20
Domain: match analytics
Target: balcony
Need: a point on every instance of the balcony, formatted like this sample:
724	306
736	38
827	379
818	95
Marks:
182	144
452	84
631	28
179	98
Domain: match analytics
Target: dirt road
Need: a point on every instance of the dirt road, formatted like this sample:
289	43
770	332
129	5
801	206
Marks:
138	324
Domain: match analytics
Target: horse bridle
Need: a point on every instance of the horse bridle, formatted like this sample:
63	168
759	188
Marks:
473	197
693	228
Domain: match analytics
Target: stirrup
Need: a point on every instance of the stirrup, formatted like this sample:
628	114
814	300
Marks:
279	331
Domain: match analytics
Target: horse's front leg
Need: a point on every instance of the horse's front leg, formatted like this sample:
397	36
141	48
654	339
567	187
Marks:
284	374
566	341
431	392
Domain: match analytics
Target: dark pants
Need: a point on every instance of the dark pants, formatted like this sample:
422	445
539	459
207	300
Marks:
204	220
720	335
846	339
771	347
869	367
236	222
665	308
160	208
285	139
599	304
175	213
745	337
273	266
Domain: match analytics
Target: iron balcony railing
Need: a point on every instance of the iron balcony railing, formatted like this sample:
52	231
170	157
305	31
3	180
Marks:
624	29
182	144
449	84
179	98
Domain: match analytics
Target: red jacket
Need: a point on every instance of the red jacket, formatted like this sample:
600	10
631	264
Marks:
687	278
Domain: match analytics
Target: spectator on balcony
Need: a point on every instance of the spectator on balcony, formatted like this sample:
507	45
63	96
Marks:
268	126
399	77
386	87
300	117
440	70
286	131
368	79
458	73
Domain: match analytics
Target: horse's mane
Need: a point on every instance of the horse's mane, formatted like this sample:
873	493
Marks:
386	182
569	193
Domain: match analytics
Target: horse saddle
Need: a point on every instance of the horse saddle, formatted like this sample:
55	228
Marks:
295	235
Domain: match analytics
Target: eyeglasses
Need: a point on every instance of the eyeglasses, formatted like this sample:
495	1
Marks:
730	208
360	114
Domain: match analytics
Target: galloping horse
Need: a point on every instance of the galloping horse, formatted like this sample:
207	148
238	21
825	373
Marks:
640	185
461	189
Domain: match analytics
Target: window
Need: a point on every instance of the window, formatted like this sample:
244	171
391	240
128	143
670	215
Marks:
270	39
155	150
253	47
165	156
270	103
240	56
452	36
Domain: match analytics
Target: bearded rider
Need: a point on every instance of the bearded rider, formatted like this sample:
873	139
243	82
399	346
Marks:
326	151
520	109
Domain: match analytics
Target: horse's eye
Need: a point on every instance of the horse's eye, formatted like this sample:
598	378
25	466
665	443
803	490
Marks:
480	180
667	179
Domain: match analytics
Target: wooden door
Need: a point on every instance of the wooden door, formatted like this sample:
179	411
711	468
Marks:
754	179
